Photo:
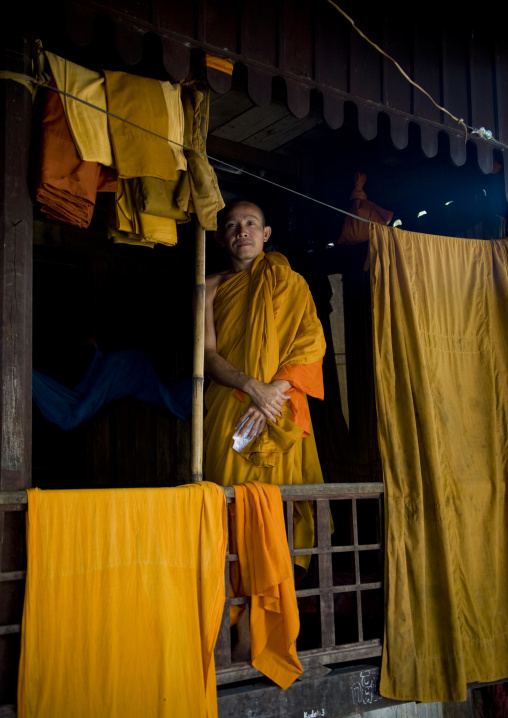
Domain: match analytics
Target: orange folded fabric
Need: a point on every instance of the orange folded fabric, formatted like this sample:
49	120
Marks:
267	576
305	379
354	230
223	64
67	185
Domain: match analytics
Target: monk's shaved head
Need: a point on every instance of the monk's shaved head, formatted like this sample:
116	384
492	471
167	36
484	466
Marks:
230	206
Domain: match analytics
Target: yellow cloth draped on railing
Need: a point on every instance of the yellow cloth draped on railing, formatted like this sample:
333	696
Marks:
440	315
124	598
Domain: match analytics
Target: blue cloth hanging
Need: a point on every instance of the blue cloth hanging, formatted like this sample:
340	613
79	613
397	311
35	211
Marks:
110	377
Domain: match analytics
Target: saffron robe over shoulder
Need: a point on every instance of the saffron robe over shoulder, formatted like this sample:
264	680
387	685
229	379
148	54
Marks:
267	326
123	603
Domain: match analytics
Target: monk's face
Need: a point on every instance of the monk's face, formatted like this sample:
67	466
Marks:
244	234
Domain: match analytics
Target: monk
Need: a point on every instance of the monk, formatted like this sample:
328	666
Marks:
264	346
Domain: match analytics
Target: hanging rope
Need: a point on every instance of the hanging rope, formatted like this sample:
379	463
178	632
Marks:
481	132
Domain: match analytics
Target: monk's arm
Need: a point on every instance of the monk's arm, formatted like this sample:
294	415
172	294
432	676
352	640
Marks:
266	399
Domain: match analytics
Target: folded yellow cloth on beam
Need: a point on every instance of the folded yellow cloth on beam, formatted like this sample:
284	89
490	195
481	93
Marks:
148	227
124	598
88	127
159	197
201	195
128	238
151	207
176	122
138	152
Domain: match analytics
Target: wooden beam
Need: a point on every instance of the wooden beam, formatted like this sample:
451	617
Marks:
297	493
321	491
256	159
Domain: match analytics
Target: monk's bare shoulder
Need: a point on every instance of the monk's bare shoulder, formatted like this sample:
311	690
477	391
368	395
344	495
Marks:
213	282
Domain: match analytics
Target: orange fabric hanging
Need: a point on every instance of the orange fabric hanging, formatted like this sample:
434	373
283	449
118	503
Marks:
123	603
67	186
354	230
266	576
305	379
223	64
88	126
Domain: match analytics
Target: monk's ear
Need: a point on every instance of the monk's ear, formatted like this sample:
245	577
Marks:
218	238
267	231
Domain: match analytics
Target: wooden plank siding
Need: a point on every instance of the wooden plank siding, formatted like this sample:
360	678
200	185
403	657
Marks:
15	271
129	299
312	47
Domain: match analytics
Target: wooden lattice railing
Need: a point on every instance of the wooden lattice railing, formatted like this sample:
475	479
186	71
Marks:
340	598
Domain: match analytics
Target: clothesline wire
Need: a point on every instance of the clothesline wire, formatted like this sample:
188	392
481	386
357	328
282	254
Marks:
191	149
27	80
399	68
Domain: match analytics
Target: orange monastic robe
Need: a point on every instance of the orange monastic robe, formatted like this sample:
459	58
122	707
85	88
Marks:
267	576
267	326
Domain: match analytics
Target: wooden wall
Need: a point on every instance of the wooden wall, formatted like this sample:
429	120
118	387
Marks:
459	58
122	297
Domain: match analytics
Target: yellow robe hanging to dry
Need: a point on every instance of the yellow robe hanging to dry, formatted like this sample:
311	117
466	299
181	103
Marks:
88	126
267	326
141	101
440	316
124	598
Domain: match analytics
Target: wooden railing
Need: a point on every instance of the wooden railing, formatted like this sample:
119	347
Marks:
340	598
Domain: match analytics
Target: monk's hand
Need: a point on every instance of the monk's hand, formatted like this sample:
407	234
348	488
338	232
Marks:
251	423
268	398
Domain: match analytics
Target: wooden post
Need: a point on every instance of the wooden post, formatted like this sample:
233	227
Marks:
199	359
15	269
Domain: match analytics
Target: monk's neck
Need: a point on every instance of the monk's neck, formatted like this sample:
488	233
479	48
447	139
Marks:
241	266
